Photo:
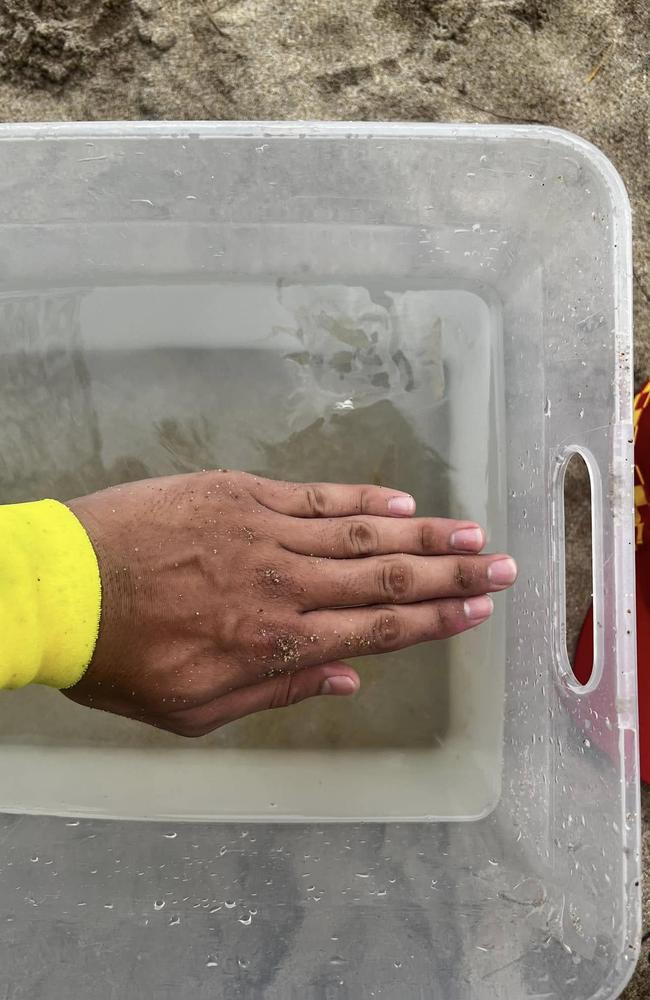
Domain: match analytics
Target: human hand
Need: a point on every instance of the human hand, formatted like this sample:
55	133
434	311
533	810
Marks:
226	594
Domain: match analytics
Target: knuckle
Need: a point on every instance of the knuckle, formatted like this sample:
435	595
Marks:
274	581
428	537
388	631
315	501
285	692
232	482
365	498
281	691
464	575
287	650
396	580
444	620
280	647
360	538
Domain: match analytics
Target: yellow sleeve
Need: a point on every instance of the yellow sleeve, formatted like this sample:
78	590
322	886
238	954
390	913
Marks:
50	596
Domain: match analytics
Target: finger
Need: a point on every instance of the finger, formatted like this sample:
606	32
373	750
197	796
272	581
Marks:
352	537
368	631
331	499
405	579
279	691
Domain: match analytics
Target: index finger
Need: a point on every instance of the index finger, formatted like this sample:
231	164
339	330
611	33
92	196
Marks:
331	499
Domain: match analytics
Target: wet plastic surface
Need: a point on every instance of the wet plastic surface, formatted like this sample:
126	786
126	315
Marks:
540	897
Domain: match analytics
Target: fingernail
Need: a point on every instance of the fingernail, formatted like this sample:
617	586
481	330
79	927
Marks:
338	685
404	506
503	572
478	608
467	539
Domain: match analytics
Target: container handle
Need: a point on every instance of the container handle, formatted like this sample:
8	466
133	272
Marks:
559	559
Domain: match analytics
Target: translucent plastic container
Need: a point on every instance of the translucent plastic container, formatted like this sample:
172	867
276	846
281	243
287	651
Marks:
443	308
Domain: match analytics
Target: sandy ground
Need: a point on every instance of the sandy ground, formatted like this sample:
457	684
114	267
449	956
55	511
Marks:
579	64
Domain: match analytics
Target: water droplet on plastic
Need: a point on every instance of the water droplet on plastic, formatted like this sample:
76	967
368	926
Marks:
158	904
211	963
174	920
230	904
170	836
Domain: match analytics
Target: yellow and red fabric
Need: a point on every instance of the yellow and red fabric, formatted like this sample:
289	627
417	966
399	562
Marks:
642	466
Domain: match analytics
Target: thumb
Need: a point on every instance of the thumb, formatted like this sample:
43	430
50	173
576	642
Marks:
335	678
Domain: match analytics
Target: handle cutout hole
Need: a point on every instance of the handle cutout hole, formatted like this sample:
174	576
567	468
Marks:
578	519
579	570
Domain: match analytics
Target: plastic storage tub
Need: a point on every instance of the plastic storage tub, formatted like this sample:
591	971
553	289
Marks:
442	307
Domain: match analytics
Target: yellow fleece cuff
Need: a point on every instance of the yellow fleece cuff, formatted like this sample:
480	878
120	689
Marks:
50	596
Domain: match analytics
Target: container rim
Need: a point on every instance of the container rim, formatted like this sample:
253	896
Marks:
204	128
621	213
